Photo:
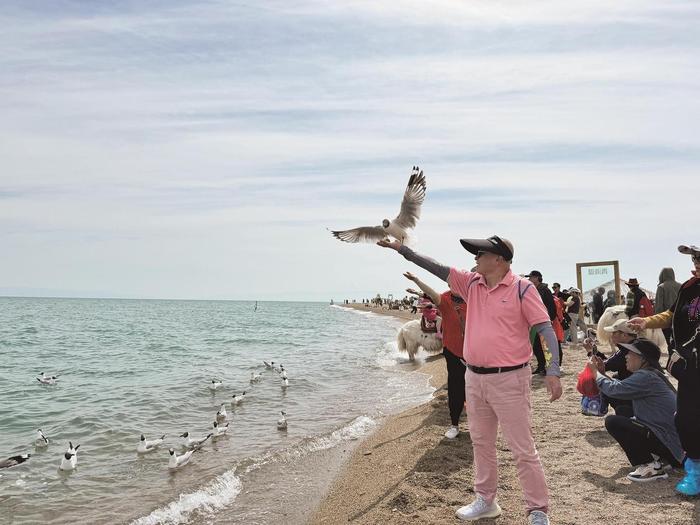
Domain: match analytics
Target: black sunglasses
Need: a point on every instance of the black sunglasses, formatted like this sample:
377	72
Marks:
695	258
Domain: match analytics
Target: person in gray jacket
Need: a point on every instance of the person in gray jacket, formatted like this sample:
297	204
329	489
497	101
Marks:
649	438
666	295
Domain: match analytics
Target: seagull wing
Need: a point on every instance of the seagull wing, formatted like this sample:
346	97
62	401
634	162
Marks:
413	198
361	234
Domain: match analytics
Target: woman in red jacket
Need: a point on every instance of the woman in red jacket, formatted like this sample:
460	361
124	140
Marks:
452	310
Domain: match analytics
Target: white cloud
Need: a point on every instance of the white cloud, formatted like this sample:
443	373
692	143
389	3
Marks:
199	150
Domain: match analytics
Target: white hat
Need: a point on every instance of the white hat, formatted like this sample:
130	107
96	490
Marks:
689	250
621	325
574	289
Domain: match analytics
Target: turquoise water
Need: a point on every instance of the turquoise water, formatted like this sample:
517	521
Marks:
128	367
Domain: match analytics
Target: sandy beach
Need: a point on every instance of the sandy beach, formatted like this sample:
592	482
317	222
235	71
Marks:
407	472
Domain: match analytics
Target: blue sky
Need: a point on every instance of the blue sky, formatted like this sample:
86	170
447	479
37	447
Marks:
199	150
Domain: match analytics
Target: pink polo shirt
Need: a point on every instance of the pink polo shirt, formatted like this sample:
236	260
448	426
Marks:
497	327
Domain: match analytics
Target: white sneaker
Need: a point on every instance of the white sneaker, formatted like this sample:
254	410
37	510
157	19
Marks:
537	517
452	432
648	472
479	509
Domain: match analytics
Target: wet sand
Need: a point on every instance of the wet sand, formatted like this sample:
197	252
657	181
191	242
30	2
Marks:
407	472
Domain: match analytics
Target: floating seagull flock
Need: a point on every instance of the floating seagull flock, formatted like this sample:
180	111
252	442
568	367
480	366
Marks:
69	459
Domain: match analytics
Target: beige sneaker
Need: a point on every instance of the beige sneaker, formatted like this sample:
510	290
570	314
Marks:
479	509
452	432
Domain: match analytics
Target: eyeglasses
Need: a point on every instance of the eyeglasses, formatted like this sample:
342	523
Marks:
480	253
695	258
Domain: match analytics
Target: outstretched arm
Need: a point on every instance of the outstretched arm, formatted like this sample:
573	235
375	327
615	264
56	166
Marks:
438	270
434	296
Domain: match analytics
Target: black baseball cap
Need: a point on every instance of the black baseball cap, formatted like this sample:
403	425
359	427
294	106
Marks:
647	349
493	244
534	273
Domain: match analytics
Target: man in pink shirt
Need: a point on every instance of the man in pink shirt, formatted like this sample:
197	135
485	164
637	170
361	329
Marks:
501	309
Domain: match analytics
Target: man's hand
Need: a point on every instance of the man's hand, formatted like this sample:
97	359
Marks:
410	277
637	324
386	243
553	387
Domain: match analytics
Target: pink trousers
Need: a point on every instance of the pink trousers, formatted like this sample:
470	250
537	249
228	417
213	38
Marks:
504	399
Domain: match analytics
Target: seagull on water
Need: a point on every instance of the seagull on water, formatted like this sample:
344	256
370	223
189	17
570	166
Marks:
255	378
221	415
282	422
68	462
47	380
70	458
408	216
269	365
179	461
283	373
285	383
149	445
41	440
194	443
14	461
220	430
237	399
215	383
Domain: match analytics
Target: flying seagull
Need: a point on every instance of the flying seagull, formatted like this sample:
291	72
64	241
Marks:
413	197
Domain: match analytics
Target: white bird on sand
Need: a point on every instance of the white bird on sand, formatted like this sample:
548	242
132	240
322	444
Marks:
220	430
179	461
269	365
237	399
41	440
255	378
215	383
285	383
282	422
47	380
194	443
14	460
146	445
407	218
221	415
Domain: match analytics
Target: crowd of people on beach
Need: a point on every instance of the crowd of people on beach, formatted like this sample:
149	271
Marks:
492	321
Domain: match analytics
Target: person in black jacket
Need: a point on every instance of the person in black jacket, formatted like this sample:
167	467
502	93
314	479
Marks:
598	308
548	300
684	364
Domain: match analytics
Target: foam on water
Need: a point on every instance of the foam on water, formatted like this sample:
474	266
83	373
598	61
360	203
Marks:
207	500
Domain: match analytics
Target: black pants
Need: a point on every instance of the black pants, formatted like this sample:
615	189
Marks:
638	441
455	385
539	354
688	404
622	407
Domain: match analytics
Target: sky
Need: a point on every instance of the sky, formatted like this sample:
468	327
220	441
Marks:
200	150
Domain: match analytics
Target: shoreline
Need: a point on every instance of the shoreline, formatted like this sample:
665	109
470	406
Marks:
405	315
406	471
